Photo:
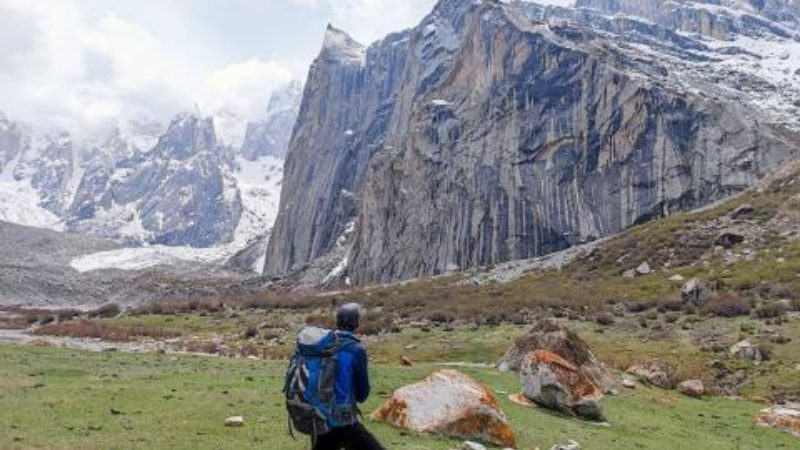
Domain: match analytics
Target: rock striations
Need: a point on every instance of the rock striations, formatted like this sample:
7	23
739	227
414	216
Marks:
496	131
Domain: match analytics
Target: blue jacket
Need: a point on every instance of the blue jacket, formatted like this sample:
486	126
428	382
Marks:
352	377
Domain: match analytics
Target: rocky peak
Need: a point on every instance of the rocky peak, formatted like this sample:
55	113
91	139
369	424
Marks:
187	136
270	137
338	46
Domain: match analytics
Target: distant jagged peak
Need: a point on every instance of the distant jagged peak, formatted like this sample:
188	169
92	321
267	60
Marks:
188	134
339	46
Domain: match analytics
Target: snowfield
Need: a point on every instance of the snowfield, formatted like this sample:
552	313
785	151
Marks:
260	185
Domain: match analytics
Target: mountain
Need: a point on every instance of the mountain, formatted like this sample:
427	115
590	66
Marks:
270	136
496	131
192	185
180	193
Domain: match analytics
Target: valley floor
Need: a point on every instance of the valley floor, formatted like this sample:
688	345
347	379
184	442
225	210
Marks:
59	398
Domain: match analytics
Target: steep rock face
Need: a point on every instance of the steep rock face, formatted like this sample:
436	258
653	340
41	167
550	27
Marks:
347	106
503	136
179	193
270	137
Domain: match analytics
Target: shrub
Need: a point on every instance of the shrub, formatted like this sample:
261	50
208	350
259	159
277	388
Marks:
67	314
770	310
319	320
440	317
106	311
105	331
777	291
638	307
251	333
671	317
670	305
604	318
728	304
208	347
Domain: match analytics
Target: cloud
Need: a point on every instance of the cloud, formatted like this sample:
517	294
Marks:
61	68
370	20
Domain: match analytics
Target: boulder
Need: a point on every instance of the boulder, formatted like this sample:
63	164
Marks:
555	383
729	239
747	351
628	382
692	388
656	372
550	335
234	421
784	417
695	292
451	404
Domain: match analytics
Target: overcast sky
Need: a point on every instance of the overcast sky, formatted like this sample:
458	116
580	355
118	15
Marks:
83	65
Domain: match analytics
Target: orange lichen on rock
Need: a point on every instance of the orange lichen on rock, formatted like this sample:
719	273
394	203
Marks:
783	418
553	382
449	403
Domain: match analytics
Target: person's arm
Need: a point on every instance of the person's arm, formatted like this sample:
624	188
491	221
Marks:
361	375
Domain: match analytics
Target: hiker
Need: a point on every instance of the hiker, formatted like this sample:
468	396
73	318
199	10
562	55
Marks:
326	380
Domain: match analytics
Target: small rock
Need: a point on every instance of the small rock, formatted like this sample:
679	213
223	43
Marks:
629	274
406	361
695	292
628	382
410	347
677	278
656	372
747	351
234	421
644	269
692	388
469	445
743	212
572	445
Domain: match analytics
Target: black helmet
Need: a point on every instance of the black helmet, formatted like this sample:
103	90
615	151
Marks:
348	316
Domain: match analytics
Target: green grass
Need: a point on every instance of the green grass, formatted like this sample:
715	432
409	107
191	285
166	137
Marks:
63	399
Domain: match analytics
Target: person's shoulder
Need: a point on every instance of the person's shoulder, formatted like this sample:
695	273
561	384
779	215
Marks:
351	343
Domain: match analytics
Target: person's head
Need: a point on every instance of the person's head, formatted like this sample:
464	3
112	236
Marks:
348	317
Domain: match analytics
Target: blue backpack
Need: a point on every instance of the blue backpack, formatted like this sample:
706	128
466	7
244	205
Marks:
310	378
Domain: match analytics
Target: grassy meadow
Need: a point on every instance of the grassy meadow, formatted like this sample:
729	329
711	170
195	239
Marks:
54	398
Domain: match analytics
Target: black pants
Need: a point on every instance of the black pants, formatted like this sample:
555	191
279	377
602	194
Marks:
353	437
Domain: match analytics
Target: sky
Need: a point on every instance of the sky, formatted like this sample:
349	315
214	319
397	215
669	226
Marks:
87	66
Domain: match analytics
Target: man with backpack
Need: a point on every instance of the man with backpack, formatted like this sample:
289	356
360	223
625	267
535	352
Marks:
326	380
